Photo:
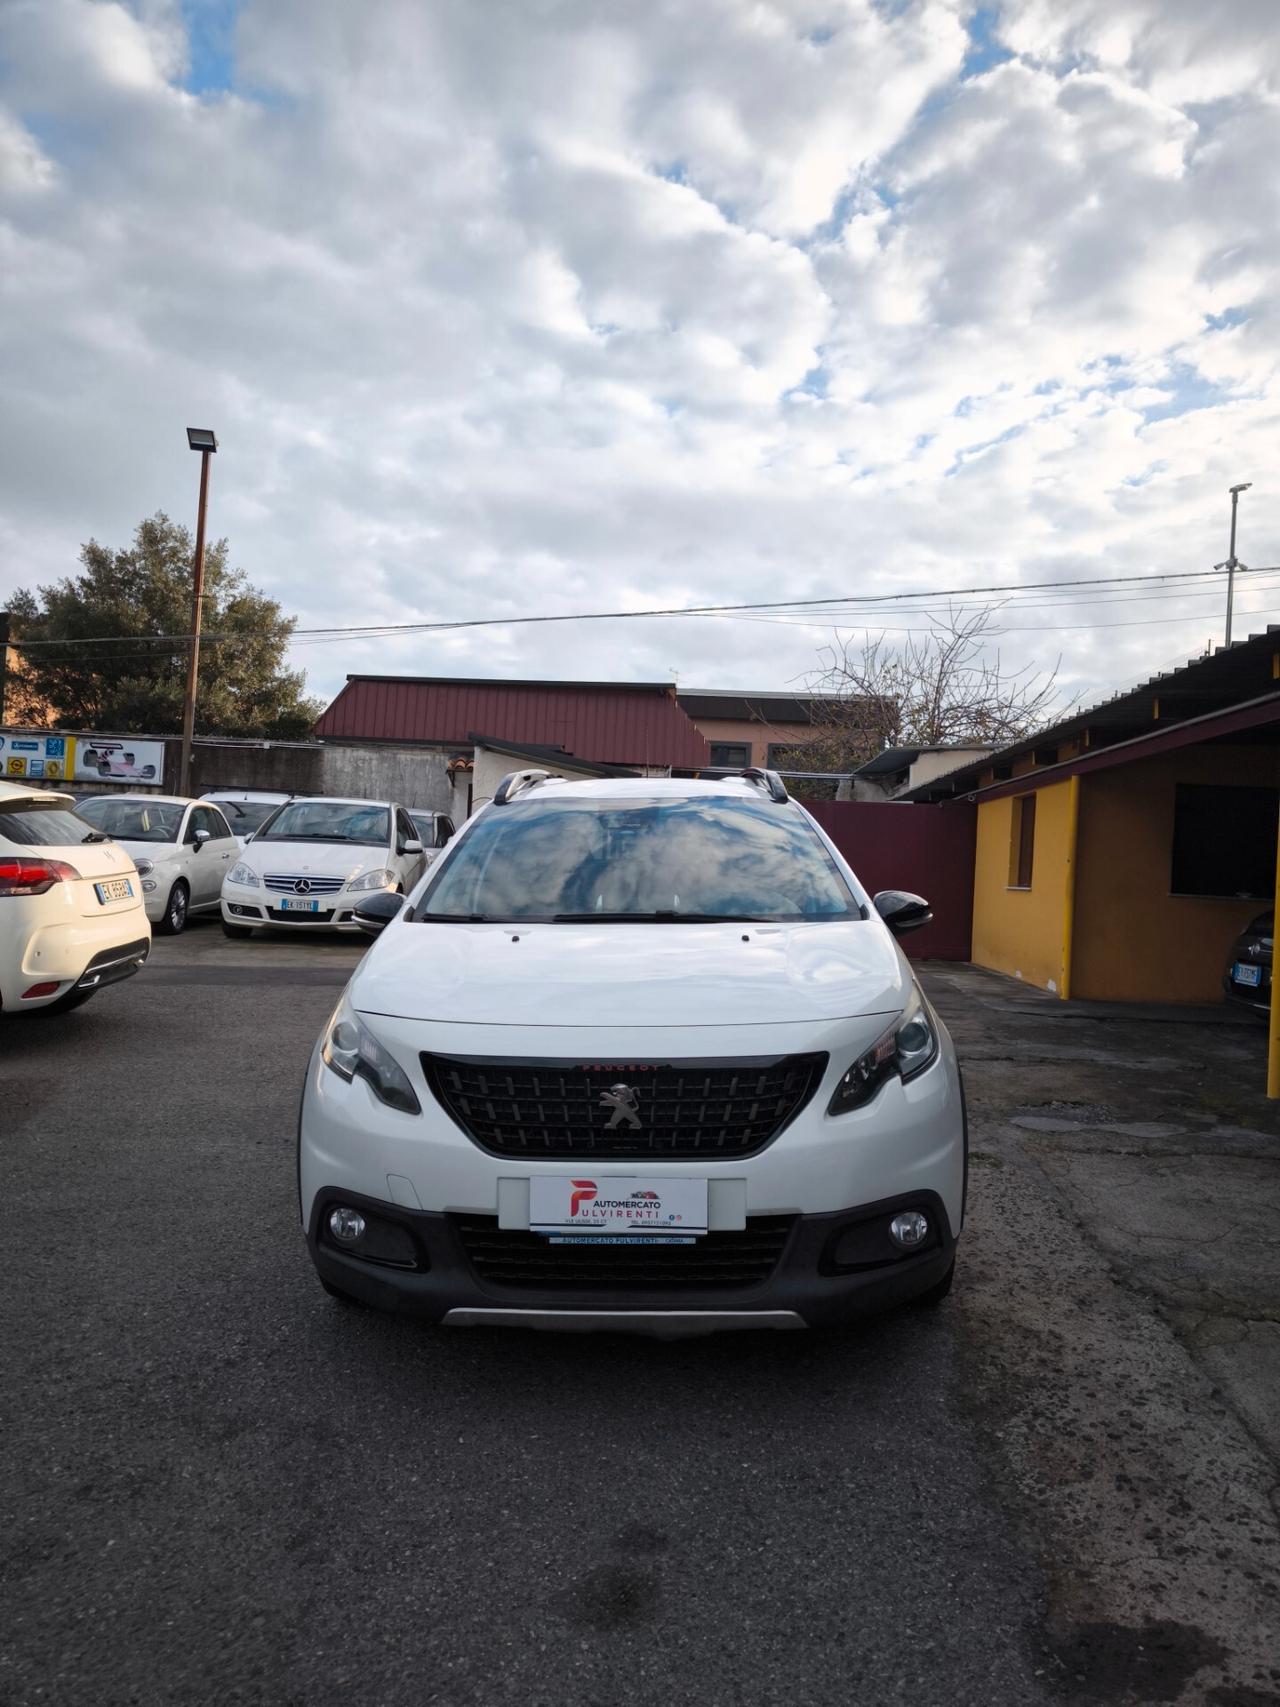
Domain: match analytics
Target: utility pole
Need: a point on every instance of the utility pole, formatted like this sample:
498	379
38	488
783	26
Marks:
1233	562
203	440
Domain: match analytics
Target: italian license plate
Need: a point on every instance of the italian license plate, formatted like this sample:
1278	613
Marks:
290	905
1242	974
590	1208
115	889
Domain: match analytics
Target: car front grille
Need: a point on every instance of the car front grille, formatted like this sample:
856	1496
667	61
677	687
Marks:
506	1257
692	1110
284	883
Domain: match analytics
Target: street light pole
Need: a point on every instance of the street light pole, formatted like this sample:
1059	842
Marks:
1233	562
201	439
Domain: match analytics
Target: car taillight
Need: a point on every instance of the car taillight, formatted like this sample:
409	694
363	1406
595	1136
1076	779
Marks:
34	876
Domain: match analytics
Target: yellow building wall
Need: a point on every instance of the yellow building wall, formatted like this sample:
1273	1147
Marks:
1134	941
1020	931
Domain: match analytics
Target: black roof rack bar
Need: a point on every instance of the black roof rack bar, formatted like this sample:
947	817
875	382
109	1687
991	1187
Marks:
515	782
770	781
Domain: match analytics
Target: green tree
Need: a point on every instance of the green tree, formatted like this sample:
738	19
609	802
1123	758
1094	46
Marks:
98	649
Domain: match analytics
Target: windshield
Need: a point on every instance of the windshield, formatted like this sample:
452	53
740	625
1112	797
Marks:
615	861
330	821
135	820
425	825
246	816
42	827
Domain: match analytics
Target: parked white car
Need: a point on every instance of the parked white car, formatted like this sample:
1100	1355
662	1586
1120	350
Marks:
245	809
637	1054
182	849
315	859
71	915
435	831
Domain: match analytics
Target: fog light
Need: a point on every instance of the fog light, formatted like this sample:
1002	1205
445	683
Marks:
346	1224
909	1229
148	885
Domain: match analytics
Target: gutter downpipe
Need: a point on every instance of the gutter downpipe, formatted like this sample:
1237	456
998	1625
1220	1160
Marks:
1069	895
1273	1027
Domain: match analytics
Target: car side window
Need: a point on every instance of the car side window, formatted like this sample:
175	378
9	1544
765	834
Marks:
202	818
405	831
444	829
217	823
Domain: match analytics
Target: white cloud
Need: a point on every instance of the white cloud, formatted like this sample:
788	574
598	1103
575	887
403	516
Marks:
505	309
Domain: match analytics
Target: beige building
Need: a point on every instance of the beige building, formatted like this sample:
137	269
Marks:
753	728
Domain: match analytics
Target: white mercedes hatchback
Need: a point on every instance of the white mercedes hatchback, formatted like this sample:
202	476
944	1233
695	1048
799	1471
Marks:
71	915
314	859
636	1054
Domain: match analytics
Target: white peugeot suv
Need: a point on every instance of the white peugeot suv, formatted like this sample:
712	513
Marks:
635	1054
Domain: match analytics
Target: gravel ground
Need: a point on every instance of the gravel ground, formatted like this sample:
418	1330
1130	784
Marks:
220	1485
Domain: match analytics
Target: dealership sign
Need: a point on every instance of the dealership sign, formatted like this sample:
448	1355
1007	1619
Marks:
32	756
40	758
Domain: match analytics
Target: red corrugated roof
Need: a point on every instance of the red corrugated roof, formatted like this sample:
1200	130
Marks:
624	724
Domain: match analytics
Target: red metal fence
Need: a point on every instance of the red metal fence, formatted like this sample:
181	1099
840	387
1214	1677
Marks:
926	849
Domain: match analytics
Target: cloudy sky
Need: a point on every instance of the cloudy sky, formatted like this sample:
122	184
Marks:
508	307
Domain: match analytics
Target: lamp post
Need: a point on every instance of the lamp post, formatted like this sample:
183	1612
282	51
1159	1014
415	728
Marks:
1233	562
205	441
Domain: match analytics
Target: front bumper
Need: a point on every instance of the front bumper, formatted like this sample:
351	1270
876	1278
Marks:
833	1269
251	908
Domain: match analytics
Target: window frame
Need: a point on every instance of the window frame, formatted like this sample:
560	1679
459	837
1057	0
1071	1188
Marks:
1022	843
743	747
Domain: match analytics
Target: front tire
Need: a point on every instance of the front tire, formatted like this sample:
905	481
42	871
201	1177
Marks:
174	921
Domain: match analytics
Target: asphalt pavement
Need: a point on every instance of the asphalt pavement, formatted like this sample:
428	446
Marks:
222	1485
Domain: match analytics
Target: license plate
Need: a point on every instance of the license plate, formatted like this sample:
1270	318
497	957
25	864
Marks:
291	906
115	889
1242	974
594	1207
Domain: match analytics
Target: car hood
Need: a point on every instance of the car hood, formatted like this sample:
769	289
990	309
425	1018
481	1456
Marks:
154	851
314	859
632	975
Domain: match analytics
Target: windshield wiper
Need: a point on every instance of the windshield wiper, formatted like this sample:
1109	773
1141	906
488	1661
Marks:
664	915
467	919
94	836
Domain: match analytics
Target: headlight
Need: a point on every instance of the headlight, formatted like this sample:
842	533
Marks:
350	1048
145	867
907	1048
244	875
381	879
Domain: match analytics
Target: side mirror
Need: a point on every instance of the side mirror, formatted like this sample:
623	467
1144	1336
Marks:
376	912
412	846
901	911
200	838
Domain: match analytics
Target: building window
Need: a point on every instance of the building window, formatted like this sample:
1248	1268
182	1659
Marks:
730	755
1224	841
1022	841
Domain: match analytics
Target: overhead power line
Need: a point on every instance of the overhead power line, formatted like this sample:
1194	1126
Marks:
1168	582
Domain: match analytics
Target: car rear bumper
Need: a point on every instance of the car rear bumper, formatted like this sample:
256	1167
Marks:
86	955
830	1269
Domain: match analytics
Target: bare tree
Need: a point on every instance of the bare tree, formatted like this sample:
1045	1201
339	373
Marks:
944	687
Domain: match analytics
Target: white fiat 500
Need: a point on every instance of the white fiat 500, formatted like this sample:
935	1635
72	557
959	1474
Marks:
636	1054
71	917
315	859
182	849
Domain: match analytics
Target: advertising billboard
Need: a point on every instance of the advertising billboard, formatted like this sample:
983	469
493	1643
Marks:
99	758
31	756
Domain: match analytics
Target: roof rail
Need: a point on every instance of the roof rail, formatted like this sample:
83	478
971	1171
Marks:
770	781
515	782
